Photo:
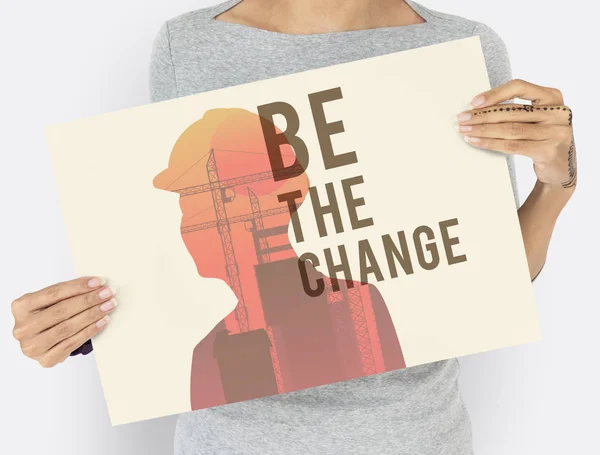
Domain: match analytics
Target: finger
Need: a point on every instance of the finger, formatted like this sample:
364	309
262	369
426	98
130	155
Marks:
517	88
504	113
66	309
66	329
58	292
513	130
62	350
508	146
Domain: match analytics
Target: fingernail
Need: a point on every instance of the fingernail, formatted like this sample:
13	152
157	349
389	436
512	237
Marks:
472	140
102	322
465	128
96	282
107	306
478	101
463	117
106	293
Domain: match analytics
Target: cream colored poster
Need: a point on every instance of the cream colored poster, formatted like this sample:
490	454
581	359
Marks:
294	232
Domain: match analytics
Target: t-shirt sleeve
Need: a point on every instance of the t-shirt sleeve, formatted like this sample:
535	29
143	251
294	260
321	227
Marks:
500	72
163	83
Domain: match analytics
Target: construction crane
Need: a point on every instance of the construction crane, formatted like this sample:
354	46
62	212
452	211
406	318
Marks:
232	220
292	171
220	198
361	329
262	247
219	191
359	321
258	225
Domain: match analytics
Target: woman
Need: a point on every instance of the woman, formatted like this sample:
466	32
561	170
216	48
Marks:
412	411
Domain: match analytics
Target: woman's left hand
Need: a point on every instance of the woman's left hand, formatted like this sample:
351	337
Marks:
542	131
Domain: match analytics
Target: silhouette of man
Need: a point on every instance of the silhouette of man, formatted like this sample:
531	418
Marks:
278	339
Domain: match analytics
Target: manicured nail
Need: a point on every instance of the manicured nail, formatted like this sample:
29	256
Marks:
107	306
472	140
463	117
478	101
102	322
96	282
106	293
465	128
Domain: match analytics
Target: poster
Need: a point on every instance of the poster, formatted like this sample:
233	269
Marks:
294	232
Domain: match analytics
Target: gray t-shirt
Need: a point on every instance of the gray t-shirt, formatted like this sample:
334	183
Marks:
416	411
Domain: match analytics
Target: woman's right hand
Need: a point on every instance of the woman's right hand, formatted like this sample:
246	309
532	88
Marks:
55	321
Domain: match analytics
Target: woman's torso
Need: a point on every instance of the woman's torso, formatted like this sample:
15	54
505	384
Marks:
411	411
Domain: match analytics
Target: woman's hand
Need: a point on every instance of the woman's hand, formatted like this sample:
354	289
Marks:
53	322
542	131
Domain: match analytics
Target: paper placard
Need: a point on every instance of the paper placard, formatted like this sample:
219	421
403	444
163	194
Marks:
220	219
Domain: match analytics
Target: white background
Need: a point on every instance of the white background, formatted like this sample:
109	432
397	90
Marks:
65	59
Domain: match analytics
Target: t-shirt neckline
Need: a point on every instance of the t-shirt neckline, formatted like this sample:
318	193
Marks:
255	31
